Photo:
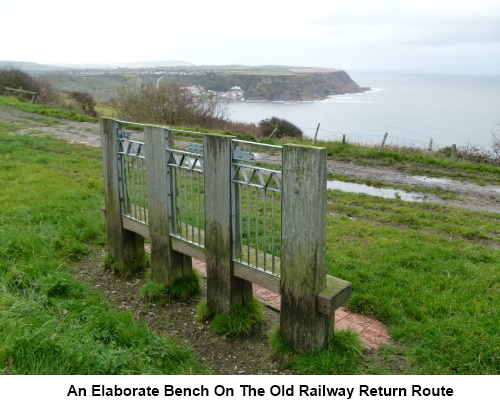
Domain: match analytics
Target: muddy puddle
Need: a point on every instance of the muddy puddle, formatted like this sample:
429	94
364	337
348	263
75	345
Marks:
374	191
432	180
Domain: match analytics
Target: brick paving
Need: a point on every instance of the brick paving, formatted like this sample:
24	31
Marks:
372	333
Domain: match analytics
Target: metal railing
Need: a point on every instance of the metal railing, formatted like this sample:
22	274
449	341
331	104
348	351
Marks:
256	205
256	201
132	178
185	184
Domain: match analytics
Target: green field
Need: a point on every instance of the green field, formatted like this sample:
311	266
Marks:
429	272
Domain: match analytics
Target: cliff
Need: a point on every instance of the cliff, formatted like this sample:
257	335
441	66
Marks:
293	84
303	86
263	83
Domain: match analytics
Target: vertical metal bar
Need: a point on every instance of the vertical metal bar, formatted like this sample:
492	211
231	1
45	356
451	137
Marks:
173	190
272	236
199	216
143	192
176	207
120	183
134	185
265	233
127	184
126	175
140	187
180	176
248	224
137	188
120	180
256	227
186	215
146	194
169	192
240	202
192	206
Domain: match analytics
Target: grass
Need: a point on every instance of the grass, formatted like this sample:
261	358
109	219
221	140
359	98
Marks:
411	160
429	272
181	289
343	355
44	110
50	323
241	321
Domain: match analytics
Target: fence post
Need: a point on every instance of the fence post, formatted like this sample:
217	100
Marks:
167	265
383	140
224	290
123	245
303	247
454	151
316	134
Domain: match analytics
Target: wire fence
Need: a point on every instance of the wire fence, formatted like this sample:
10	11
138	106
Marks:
386	139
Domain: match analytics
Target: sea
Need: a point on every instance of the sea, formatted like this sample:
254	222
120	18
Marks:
413	109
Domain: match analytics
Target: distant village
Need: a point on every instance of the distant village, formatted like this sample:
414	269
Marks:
235	93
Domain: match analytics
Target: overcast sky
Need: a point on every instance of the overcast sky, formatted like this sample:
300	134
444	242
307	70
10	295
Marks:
427	35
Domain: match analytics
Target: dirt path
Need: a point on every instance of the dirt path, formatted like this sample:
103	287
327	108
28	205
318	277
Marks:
470	196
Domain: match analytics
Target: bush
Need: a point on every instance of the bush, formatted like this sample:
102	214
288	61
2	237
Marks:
279	128
85	101
168	104
17	79
495	148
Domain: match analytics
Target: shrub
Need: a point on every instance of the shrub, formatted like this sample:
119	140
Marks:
17	79
169	104
279	128
495	148
85	101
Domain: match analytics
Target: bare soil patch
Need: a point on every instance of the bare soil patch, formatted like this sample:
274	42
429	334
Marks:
222	356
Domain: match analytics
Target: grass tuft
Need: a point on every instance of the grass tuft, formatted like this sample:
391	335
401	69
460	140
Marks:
182	289
126	269
242	321
154	291
342	355
186	287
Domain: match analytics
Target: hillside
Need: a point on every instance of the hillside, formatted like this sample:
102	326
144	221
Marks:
298	84
269	83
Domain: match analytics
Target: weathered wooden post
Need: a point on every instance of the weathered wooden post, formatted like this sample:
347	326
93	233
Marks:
383	140
454	151
167	265
224	290
316	134
123	245
303	248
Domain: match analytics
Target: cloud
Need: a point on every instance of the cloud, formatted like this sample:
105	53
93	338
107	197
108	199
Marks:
332	33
